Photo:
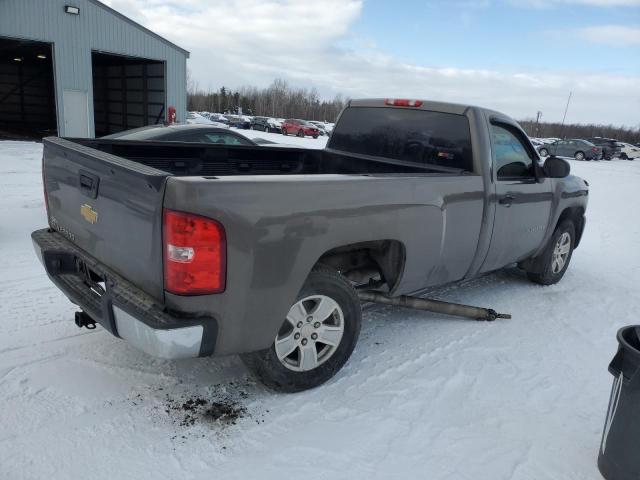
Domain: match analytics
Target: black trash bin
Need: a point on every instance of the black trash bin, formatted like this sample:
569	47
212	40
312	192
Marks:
619	457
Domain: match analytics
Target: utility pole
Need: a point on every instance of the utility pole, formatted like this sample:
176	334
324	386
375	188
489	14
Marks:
538	116
565	115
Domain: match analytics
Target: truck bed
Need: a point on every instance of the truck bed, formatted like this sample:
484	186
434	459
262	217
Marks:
210	160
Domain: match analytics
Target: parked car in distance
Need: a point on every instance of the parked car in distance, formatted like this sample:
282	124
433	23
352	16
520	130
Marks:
300	128
218	117
196	250
195	118
576	148
321	126
610	148
191	133
266	124
628	151
239	121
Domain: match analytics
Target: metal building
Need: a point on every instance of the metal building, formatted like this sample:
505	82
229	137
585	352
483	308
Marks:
80	69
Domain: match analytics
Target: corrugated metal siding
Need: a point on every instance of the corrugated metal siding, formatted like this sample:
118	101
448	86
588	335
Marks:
75	36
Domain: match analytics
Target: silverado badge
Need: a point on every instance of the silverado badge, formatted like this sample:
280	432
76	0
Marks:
88	213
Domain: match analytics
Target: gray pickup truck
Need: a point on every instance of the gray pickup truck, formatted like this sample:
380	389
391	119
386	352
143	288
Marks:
192	249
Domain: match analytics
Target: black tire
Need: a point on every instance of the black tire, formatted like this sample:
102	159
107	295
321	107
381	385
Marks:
542	269
315	136
265	364
284	131
624	156
544	152
300	133
579	156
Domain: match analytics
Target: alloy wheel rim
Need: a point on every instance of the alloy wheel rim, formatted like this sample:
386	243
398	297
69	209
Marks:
561	253
312	333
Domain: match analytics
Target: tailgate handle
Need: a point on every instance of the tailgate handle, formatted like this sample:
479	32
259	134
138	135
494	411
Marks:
88	183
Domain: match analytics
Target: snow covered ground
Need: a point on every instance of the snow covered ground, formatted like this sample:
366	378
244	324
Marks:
422	397
307	142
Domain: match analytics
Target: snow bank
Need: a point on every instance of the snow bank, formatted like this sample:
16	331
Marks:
422	397
306	142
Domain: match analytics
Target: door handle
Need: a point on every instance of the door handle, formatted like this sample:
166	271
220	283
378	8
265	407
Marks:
507	200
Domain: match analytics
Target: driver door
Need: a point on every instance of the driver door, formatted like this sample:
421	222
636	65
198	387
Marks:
523	201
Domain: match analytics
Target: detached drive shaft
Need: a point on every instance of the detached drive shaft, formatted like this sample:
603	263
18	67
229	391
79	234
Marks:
436	306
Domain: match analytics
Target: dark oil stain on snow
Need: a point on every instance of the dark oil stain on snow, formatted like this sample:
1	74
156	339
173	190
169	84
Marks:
214	408
216	412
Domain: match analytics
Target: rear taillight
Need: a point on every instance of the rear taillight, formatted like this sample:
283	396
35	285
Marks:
594	149
44	190
403	102
195	254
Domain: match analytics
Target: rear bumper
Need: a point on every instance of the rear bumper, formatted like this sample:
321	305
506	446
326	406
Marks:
121	307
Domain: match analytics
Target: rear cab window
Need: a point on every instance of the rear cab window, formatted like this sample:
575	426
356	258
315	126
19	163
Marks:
417	136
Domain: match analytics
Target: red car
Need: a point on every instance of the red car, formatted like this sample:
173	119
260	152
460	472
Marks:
299	128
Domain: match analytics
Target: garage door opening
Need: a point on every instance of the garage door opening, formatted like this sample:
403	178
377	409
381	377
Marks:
27	93
128	92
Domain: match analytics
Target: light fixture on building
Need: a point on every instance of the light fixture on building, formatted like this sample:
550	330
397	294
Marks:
17	59
41	56
72	10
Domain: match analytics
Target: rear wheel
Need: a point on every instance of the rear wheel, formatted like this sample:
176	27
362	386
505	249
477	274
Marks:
300	133
551	265
579	156
284	131
624	156
316	339
315	136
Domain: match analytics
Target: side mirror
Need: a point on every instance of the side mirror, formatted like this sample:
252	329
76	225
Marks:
555	167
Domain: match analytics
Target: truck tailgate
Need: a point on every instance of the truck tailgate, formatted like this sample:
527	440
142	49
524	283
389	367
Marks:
108	206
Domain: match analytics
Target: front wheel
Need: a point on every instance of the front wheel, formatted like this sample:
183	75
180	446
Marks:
284	131
554	260
544	152
316	339
579	156
300	133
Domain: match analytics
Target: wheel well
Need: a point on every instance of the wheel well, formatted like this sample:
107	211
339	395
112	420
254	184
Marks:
379	262
576	215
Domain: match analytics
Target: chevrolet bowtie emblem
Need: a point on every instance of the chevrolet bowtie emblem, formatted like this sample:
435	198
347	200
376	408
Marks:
89	214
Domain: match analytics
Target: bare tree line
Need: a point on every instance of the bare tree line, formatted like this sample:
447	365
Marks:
278	100
557	130
281	100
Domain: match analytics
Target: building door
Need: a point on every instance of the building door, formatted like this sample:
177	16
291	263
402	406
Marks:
76	113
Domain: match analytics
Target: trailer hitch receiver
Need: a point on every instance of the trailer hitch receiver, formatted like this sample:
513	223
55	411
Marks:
84	320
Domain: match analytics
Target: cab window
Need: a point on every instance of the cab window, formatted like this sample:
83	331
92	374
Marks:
510	156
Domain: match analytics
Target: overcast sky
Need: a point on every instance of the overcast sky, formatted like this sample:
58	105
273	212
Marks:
516	56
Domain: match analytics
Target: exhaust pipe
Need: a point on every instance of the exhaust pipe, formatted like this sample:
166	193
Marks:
84	320
435	306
